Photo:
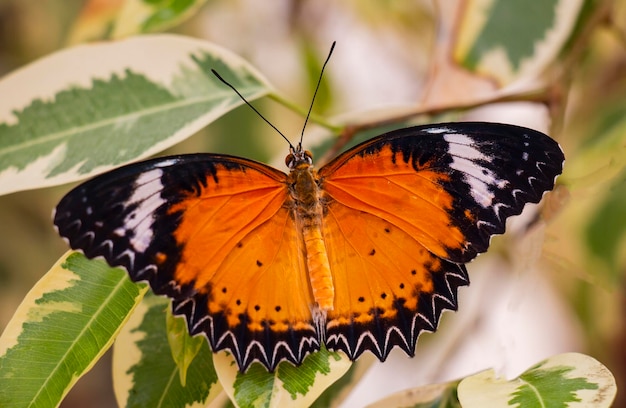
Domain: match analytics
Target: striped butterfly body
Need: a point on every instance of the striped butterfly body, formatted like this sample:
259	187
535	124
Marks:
361	255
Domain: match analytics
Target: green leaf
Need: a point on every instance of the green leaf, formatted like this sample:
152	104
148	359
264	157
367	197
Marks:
506	39
288	385
565	380
598	167
606	229
147	16
63	326
125	100
601	156
184	347
144	371
540	389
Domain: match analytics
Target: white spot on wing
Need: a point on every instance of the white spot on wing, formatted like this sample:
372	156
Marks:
165	163
147	198
462	146
437	130
466	158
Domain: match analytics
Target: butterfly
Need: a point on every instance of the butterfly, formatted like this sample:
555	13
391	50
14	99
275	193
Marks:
363	254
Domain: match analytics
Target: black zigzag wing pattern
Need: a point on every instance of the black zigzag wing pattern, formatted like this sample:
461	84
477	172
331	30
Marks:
403	330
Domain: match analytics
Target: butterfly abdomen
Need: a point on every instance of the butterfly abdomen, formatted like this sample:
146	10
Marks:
308	213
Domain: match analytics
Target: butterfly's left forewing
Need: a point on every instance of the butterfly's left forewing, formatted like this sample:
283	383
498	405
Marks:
215	234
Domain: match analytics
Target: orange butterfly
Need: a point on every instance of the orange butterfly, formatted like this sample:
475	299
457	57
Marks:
362	254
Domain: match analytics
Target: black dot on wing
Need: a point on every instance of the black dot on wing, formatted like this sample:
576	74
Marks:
277	308
383	295
387	230
413	272
402	286
259	263
372	252
239	244
257	307
361	299
224	290
238	301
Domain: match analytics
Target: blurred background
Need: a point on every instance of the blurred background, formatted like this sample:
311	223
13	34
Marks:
554	283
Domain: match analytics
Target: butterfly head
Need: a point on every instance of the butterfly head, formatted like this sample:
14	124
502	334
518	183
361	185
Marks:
298	157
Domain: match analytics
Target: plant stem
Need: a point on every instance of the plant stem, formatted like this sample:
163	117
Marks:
298	109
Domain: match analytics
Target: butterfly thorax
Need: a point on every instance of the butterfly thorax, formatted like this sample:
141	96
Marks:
307	212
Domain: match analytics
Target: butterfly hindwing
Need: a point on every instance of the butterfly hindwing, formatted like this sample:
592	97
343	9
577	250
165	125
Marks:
388	288
211	232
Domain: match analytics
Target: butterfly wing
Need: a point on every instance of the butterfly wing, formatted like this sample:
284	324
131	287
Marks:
213	233
406	210
388	287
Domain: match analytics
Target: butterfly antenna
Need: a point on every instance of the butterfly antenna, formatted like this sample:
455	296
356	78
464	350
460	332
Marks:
317	87
251	106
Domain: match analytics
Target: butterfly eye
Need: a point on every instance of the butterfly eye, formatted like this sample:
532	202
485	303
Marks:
309	156
289	160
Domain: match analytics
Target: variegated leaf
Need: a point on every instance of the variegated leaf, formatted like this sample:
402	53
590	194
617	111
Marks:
145	373
63	326
287	386
566	380
507	40
90	108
